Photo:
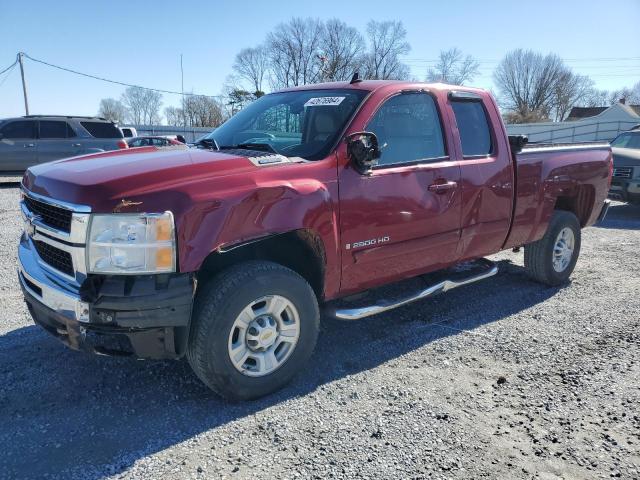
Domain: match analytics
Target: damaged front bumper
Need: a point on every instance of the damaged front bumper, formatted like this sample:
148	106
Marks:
144	316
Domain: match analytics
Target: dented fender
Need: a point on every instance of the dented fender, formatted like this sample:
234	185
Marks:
258	208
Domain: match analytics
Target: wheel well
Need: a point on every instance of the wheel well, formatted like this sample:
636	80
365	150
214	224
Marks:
580	203
300	250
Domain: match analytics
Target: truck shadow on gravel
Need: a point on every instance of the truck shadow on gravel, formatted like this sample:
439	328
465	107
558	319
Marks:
70	414
623	216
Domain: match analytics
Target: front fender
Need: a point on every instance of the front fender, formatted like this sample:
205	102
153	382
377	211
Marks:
263	209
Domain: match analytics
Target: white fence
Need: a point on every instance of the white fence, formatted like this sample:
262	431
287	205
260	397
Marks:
189	133
571	132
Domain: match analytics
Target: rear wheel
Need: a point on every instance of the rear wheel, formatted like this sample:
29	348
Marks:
254	326
551	259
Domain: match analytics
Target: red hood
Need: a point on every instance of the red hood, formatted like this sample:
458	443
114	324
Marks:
102	179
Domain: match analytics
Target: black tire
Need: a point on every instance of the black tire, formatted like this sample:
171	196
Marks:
538	256
218	304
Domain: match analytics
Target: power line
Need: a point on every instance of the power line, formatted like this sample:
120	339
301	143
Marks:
10	66
9	72
569	60
95	77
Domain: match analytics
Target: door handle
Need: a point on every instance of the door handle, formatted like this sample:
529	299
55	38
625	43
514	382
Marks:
76	144
29	145
441	188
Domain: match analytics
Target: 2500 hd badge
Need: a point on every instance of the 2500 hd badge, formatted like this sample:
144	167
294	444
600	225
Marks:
367	243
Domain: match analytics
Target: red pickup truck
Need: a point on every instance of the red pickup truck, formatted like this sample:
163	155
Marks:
225	253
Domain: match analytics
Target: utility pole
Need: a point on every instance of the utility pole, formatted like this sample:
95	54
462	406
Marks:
184	118
24	84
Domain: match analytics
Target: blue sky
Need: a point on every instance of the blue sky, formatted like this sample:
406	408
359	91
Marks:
141	42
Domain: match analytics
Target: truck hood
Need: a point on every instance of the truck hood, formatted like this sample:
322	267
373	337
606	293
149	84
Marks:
101	179
626	157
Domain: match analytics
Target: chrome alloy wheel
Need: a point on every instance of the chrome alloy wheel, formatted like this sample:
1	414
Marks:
264	335
563	249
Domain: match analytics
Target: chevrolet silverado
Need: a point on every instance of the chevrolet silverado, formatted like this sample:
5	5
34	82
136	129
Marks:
310	198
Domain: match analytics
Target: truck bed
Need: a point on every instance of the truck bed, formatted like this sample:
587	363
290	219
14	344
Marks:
549	176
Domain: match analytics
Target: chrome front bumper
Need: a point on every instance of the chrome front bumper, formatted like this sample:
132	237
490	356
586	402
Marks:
53	291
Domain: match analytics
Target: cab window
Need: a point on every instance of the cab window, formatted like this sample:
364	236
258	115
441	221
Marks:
473	126
408	128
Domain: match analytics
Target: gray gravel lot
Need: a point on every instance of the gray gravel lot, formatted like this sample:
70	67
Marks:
503	379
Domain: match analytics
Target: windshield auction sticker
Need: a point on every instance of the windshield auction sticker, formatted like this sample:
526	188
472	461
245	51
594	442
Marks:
324	101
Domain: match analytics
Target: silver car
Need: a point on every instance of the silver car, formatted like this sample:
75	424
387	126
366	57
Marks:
27	141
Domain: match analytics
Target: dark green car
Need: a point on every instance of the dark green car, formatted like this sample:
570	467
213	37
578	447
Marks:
625	184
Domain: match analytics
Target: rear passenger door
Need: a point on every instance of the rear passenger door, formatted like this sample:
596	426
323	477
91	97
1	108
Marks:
18	147
56	140
487	175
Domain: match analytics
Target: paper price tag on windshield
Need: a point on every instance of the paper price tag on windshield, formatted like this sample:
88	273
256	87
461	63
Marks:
324	101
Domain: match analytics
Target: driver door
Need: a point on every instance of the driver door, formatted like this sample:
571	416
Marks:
404	218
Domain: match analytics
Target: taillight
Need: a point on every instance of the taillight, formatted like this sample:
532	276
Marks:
122	144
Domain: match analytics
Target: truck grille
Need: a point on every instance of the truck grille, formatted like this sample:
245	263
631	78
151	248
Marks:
58	259
55	217
623	172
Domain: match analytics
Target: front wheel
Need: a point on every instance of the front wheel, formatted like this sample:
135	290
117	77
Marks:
254	327
551	259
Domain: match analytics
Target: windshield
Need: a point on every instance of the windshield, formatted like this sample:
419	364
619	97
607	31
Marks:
301	123
627	140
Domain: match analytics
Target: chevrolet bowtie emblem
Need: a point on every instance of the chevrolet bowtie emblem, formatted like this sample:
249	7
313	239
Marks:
29	226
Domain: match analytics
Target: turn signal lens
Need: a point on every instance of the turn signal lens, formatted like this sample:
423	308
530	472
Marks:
164	258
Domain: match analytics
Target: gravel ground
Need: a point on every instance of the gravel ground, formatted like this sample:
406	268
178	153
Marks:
502	379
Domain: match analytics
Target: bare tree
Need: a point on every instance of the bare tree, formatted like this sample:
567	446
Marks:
605	98
342	49
152	110
143	105
527	82
596	98
453	67
570	90
113	110
202	111
252	64
387	43
631	95
133	99
174	116
294	54
634	94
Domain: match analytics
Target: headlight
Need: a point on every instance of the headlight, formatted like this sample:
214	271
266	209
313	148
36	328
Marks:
131	243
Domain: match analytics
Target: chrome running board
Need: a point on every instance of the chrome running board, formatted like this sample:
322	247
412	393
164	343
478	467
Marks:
443	281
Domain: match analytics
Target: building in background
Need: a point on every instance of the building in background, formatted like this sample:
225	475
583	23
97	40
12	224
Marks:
584	124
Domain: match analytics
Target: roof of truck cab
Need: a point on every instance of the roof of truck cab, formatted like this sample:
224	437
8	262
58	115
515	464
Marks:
371	85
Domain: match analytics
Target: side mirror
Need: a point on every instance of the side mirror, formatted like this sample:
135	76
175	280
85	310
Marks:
363	150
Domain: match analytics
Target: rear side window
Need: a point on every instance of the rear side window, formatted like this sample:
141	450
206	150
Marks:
408	129
102	129
55	129
473	126
19	129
